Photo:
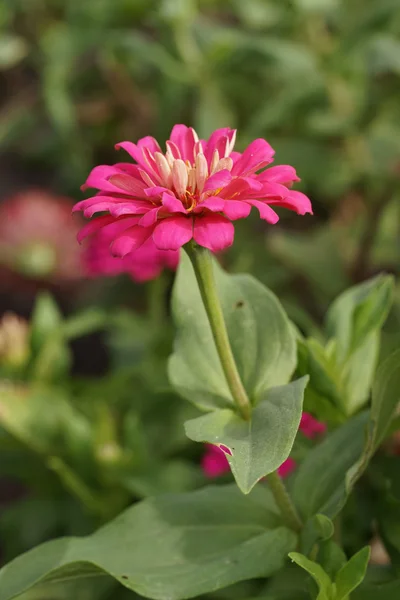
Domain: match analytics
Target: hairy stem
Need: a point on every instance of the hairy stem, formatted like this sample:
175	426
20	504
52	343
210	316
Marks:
284	502
203	268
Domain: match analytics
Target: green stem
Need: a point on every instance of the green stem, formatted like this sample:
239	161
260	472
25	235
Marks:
203	268
284	502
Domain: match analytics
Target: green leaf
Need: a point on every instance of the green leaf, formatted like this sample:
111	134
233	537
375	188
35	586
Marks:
259	331
319	527
319	485
385	399
258	446
354	321
175	546
358	312
331	557
323	394
46	320
352	573
321	578
43	420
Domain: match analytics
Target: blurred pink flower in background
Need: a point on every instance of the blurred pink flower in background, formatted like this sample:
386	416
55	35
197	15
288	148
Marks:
311	427
37	236
192	191
214	462
142	264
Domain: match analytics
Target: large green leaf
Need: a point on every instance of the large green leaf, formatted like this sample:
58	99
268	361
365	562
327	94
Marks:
320	486
258	446
175	547
259	331
385	399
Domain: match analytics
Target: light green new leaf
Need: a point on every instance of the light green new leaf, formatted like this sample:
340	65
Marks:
175	546
319	485
259	331
321	578
354	321
385	399
358	312
258	446
352	573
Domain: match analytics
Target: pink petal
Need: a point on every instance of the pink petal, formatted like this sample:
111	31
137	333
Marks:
106	223
236	209
173	149
129	169
129	208
185	139
99	178
213	231
98	199
151	165
131	239
94	226
173	232
132	149
217	181
273	190
172	204
265	211
279	174
213	203
128	184
218	141
296	201
155	191
170	258
150	143
256	156
150	217
241	188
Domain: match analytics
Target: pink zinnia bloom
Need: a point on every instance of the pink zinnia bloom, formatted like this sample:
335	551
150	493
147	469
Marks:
142	264
310	427
192	191
37	236
215	463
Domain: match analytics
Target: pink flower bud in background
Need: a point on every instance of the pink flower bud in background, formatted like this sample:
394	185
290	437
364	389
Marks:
310	427
37	237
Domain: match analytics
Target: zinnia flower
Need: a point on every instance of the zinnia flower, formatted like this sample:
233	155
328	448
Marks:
37	237
192	191
143	264
214	462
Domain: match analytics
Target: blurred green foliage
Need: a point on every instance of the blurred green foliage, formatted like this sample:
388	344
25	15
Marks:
318	78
